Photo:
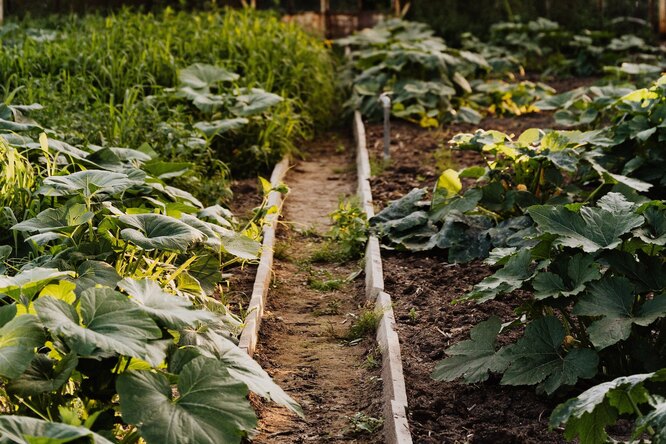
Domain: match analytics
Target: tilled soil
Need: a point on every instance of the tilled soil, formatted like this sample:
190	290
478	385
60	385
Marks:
422	288
302	342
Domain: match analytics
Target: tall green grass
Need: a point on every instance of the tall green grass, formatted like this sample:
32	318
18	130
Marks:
101	78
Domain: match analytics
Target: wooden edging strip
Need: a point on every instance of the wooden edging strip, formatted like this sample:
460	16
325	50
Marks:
255	310
396	427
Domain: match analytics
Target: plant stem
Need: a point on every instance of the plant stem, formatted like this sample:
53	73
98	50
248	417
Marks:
639	413
37	412
593	193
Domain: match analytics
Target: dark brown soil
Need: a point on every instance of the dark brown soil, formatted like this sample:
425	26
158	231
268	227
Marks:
302	342
422	288
246	197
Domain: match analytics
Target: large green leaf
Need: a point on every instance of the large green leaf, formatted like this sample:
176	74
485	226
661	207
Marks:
612	178
645	271
211	406
614	299
18	339
92	273
169	310
591	229
587	415
517	270
65	218
167	170
44	375
202	76
254	101
401	207
239	364
28	283
103	320
156	231
89	183
474	358
654	230
539	357
581	269
222	239
217	127
26	430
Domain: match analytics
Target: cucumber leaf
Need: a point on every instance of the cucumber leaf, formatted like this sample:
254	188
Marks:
474	358
103	320
613	298
539	357
211	406
591	229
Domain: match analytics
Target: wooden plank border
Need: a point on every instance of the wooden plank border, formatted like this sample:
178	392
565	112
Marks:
396	427
262	281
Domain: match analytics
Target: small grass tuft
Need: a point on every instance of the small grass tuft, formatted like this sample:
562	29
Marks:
377	166
362	422
364	325
325	284
281	251
332	308
373	359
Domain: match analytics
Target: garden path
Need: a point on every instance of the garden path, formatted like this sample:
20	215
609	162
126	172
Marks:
302	342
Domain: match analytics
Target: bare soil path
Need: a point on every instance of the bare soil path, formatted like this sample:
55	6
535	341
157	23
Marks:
311	306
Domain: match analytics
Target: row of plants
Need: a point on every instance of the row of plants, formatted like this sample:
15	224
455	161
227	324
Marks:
111	325
544	46
430	82
576	220
107	81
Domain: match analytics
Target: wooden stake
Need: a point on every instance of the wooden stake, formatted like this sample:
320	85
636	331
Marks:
662	17
323	12
2	8
396	8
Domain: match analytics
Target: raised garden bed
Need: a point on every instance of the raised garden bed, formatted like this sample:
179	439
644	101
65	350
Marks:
423	288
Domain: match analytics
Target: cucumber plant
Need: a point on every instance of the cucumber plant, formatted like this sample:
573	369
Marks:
108	330
597	305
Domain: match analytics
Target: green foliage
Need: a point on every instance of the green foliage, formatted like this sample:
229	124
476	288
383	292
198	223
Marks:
474	358
363	423
364	325
348	234
543	46
106	305
591	266
236	117
402	57
104	80
211	405
23	429
635	128
587	415
538	357
537	167
497	97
